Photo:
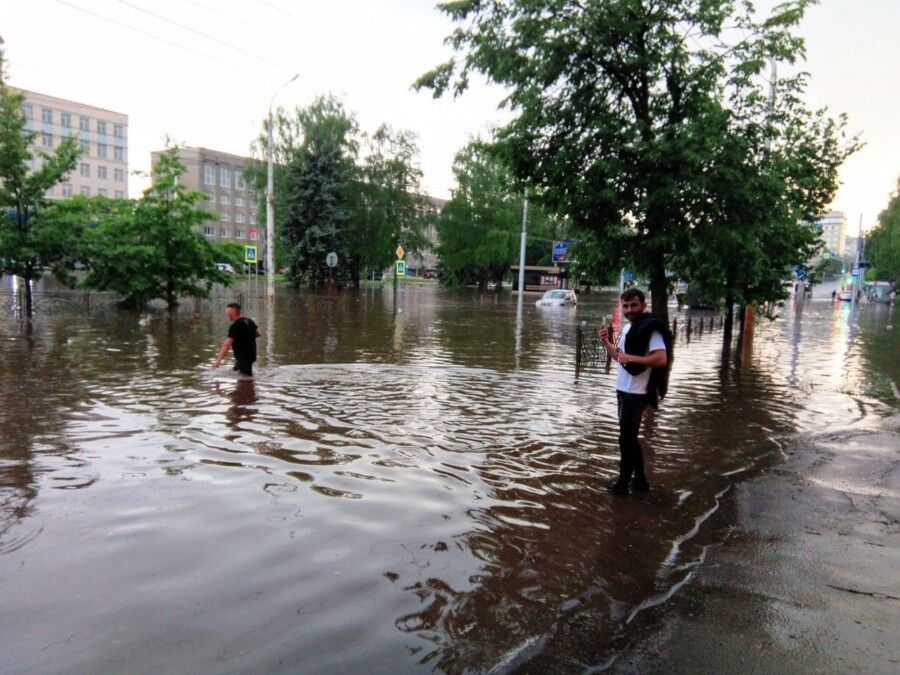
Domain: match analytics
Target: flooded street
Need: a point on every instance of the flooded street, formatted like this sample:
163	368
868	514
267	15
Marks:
401	489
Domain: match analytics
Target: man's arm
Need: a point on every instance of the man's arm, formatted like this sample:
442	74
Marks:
226	345
655	359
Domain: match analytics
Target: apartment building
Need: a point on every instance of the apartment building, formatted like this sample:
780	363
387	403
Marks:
221	176
418	264
102	168
833	229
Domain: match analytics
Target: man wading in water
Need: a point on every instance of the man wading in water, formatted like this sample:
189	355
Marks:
241	339
642	372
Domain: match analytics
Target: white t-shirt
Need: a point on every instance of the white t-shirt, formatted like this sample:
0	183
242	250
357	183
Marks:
636	384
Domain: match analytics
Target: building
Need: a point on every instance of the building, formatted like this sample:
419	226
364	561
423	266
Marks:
221	176
102	168
833	229
417	264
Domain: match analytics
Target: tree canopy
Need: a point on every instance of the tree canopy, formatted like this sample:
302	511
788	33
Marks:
625	111
883	242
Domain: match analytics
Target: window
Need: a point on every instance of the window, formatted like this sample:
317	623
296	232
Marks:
239	179
47	140
85	146
238	201
238	234
208	231
67	190
86	190
251	218
65	120
84	170
101	150
225	217
27	111
118	131
223	199
47	115
224	177
209	174
223	232
84	123
239	218
101	172
103	192
49	192
119	175
101	127
120	194
118	153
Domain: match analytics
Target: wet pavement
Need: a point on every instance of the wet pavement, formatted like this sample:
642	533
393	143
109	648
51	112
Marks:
405	486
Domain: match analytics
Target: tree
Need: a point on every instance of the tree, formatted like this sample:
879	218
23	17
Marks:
479	228
30	243
883	242
319	183
148	249
621	105
392	210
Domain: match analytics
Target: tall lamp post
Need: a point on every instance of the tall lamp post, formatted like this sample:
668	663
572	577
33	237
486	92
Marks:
270	198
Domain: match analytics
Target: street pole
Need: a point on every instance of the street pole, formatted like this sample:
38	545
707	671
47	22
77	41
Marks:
859	270
522	243
270	197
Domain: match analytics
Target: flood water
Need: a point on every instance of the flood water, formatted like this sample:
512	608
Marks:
400	489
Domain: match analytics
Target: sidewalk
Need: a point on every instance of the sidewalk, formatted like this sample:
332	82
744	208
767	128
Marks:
810	579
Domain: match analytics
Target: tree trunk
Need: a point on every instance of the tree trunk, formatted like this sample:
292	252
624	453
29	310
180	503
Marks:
354	274
659	292
729	321
482	284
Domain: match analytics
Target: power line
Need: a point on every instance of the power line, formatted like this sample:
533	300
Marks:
202	34
162	39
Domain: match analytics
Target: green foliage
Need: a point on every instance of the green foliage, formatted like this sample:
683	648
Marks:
148	249
392	210
479	228
327	199
625	115
883	242
31	241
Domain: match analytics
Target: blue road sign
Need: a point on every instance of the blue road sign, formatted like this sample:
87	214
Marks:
561	250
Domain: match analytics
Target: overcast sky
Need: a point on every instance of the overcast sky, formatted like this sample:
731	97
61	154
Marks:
203	72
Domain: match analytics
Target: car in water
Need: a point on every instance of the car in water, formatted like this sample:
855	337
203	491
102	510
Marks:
225	267
557	297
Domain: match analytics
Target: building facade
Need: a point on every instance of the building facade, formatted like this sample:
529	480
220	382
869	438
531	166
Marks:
426	260
102	168
833	229
220	176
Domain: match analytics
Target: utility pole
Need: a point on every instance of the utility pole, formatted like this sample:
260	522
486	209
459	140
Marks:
522	243
270	197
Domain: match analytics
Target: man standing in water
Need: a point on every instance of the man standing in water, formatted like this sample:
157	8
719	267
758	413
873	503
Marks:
241	339
642	366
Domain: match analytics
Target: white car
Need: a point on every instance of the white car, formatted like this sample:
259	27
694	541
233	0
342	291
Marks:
557	297
225	267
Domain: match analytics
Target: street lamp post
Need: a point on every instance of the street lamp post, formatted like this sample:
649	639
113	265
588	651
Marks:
270	198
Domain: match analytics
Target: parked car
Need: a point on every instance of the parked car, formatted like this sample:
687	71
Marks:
557	297
225	267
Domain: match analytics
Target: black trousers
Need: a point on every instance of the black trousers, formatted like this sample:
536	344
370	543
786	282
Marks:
243	367
631	457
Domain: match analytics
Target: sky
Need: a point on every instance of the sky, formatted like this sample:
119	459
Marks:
203	73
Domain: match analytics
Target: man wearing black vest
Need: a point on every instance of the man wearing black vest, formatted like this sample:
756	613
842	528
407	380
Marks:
642	366
242	334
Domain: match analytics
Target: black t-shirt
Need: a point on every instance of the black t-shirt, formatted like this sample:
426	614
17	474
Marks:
243	332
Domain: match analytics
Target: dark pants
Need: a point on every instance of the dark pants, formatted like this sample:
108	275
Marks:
631	462
244	367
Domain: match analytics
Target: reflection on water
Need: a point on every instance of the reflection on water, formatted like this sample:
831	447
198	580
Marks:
401	488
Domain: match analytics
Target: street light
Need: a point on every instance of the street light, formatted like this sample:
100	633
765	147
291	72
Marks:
270	199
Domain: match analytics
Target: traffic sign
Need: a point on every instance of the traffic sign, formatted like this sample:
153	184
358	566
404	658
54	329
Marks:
331	259
249	254
400	268
400	252
561	250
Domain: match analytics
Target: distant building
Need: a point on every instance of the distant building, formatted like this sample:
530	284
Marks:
851	243
426	260
221	176
833	229
102	168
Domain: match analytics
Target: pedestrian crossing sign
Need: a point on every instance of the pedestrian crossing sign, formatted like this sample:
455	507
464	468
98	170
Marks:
250	254
400	268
